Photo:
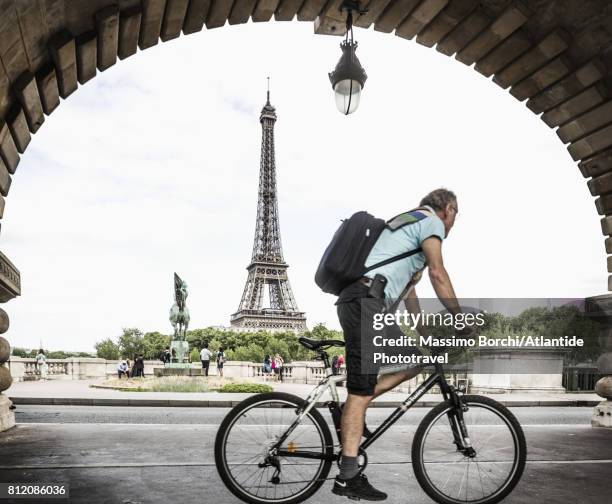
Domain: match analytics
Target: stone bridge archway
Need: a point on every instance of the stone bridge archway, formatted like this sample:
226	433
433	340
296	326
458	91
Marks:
554	55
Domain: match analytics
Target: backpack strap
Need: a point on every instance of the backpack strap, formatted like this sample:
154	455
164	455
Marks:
390	260
397	222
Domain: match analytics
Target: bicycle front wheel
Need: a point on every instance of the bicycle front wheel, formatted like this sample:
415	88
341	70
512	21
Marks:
249	465
448	474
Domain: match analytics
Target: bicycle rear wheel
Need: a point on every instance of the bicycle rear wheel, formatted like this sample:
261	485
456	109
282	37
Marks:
451	476
243	450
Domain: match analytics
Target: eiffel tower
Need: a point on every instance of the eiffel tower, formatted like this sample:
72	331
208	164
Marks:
268	269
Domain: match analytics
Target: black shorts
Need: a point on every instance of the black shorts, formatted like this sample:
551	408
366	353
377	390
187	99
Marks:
362	376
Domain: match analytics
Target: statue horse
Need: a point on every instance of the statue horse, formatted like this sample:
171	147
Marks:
179	314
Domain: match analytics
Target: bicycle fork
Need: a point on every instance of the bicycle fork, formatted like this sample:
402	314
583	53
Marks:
458	427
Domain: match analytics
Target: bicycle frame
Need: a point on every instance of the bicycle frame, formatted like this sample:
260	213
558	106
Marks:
330	382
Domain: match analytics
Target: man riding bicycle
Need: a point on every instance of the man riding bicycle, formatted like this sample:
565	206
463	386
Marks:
396	279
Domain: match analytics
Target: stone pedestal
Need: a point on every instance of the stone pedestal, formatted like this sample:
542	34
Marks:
602	414
179	351
7	417
600	309
177	369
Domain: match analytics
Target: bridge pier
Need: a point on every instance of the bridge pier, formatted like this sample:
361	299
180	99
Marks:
600	308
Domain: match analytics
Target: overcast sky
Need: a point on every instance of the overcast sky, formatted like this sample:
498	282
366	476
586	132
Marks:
152	168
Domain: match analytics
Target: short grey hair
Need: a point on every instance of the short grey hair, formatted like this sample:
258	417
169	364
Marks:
439	198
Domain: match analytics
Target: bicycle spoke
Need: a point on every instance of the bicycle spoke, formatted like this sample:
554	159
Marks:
469	479
250	441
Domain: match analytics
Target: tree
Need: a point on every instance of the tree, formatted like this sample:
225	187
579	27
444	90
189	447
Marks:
20	352
154	344
131	342
107	349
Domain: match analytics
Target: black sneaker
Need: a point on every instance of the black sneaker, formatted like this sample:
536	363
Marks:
356	488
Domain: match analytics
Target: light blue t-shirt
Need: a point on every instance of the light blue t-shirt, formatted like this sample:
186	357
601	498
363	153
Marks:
392	243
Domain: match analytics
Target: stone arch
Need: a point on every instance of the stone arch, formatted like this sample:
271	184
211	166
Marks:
554	55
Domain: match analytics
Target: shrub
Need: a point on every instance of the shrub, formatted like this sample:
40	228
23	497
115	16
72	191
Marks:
246	388
194	355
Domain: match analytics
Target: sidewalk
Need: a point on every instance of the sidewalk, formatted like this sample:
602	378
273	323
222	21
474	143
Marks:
79	393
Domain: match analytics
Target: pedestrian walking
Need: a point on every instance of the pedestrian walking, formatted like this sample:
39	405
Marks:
205	355
220	361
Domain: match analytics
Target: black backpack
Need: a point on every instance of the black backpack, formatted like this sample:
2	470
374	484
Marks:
343	261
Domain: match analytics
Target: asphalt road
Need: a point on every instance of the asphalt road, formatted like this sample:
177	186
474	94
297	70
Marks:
153	455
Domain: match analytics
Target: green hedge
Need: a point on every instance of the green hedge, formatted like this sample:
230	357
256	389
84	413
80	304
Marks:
249	388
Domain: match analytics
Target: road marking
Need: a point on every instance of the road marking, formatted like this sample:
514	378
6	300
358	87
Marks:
216	425
212	464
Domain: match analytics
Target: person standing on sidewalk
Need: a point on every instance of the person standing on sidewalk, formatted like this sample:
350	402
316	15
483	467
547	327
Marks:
278	368
41	363
205	355
220	361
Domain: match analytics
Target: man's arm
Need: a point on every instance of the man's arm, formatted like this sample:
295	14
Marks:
411	301
432	248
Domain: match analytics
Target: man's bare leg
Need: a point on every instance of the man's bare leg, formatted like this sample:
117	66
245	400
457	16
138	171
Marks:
392	380
353	413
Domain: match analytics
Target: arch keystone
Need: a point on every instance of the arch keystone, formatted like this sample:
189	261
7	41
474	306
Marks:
287	10
27	94
196	16
542	78
596	165
584	77
8	149
151	22
241	11
547	49
591	144
310	9
19	129
107	28
174	18
510	20
506	52
264	10
586	123
47	88
463	33
576	106
419	18
63	51
86	56
129	31
445	22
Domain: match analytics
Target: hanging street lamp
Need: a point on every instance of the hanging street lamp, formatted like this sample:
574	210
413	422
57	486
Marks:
348	77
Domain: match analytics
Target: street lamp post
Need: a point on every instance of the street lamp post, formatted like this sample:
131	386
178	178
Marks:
348	77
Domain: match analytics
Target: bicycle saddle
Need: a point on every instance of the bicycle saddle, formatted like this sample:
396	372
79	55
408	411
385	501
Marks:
315	344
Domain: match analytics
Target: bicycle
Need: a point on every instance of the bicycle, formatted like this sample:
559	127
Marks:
263	457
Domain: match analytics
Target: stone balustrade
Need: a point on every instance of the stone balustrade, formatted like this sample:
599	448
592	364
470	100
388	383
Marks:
305	372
